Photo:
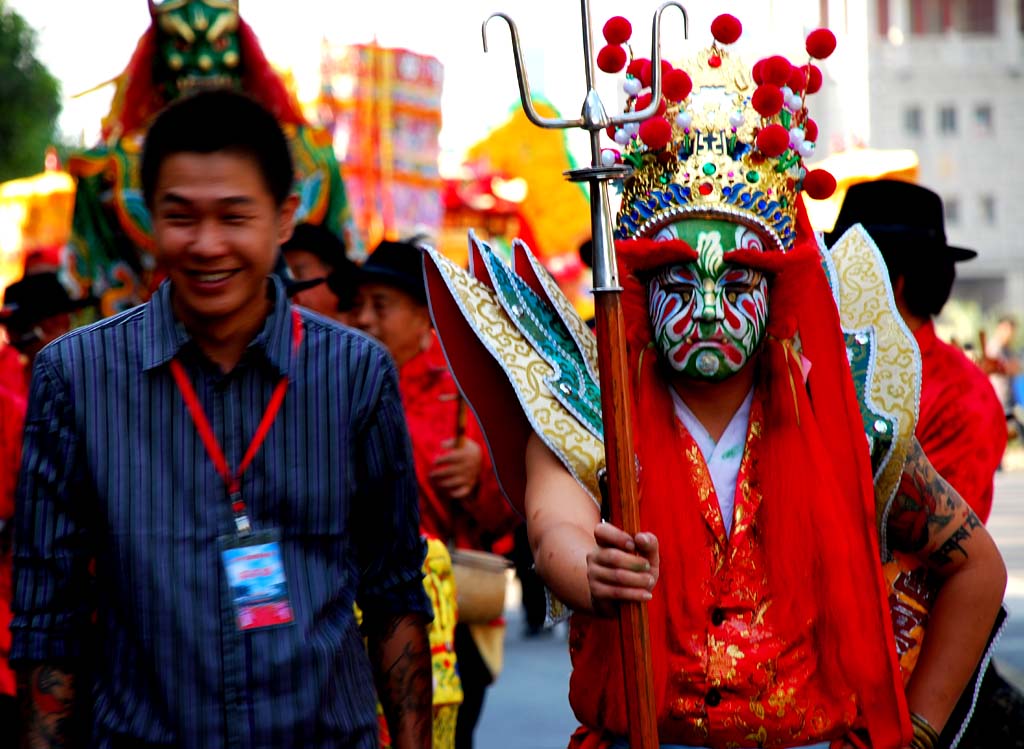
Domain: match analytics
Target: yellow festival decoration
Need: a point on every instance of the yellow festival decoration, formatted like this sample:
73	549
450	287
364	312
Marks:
35	216
854	166
557	211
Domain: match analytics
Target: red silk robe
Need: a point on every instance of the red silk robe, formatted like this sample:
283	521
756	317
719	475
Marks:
12	417
430	400
961	428
732	680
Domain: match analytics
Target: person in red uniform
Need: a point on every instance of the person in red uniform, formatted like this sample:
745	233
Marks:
460	501
12	416
37	309
961	426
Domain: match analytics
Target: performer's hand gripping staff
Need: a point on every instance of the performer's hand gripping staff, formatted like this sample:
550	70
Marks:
624	567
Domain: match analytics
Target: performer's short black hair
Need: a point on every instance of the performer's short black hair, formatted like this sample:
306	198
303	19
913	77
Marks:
214	121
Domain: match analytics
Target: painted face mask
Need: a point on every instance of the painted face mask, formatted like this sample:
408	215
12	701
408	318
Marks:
709	316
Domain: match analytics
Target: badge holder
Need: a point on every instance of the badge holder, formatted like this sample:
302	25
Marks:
256	580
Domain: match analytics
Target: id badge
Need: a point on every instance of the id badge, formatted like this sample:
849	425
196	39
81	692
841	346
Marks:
256	580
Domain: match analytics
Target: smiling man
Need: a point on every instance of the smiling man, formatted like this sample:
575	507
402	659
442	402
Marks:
236	472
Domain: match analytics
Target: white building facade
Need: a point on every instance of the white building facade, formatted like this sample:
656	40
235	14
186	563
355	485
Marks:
946	79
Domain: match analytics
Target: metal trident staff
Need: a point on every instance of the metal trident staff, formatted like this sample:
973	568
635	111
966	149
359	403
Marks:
611	340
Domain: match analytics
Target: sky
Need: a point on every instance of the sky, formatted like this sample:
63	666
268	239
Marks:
86	43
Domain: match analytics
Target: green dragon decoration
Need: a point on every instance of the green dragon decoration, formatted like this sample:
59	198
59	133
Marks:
191	45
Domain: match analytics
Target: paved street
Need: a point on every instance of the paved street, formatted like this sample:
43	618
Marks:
528	708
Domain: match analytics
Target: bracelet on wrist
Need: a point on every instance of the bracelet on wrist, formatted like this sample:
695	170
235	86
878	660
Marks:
925	735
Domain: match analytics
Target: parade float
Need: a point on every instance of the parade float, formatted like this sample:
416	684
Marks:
382	106
35	219
190	45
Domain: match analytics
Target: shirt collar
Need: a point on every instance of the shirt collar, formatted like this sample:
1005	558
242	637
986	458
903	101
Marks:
166	335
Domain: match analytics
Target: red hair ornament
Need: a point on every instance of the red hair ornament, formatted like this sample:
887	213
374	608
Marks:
726	28
617	30
773	140
821	43
611	58
819	184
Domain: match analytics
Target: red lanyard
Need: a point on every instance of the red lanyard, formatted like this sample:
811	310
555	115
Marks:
233	481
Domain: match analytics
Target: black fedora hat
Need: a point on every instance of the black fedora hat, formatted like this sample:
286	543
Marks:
399	265
899	216
36	297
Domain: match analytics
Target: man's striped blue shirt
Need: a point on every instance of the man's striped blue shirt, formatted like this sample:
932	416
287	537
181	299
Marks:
114	471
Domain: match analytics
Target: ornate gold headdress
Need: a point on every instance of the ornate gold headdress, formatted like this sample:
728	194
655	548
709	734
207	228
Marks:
729	141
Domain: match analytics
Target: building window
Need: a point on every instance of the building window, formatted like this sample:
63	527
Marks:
913	121
952	206
983	121
988	209
975	16
947	120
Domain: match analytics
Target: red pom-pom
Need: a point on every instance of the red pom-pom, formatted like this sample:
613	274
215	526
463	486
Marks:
610	131
677	85
773	140
819	184
797	79
611	58
776	70
644	101
813	78
767	100
655	132
726	28
617	30
636	67
645	71
821	43
758	72
811	130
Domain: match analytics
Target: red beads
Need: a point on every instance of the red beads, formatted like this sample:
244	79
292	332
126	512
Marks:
655	133
819	184
776	70
814	78
767	100
611	58
821	43
773	140
726	28
677	85
617	30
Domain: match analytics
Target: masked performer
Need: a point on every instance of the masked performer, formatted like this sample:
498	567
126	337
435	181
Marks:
759	364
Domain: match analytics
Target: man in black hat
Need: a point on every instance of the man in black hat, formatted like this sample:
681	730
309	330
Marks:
324	277
37	309
961	426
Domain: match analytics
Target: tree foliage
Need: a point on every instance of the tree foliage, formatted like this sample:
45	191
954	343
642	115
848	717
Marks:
29	99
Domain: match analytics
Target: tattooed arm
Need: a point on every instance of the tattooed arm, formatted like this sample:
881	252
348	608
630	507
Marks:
400	653
929	520
46	696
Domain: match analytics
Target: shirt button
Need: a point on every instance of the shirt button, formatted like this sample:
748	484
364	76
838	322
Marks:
717	617
713	698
